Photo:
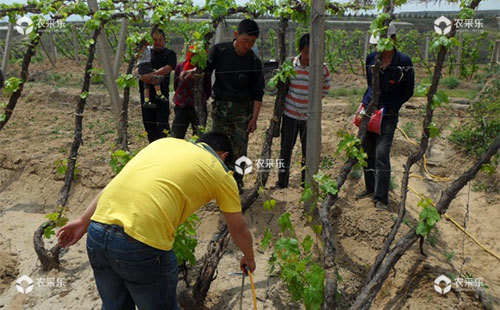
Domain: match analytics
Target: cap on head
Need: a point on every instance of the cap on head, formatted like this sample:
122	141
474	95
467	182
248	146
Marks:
391	30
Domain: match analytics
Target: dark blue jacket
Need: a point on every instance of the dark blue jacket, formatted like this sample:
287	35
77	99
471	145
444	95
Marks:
396	82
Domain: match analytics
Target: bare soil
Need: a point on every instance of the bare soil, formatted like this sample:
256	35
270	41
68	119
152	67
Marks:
40	132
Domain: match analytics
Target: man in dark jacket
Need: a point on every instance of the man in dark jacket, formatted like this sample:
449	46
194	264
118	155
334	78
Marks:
163	60
238	88
397	80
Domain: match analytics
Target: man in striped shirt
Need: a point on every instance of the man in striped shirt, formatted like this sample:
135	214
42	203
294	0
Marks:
296	110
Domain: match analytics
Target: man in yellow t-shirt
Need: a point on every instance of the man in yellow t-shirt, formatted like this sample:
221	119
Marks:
131	223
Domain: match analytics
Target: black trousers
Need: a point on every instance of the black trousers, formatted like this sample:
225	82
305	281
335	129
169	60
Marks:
156	120
290	128
184	117
378	148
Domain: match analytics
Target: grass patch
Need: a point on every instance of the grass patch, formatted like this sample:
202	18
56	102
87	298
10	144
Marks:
356	172
450	82
410	129
346	92
477	132
460	93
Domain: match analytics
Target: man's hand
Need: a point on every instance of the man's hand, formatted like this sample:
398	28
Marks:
252	125
70	233
247	262
186	74
147	78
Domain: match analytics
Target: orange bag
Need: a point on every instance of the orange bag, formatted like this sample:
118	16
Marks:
375	122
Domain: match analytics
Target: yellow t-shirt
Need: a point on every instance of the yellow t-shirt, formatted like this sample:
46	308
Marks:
161	186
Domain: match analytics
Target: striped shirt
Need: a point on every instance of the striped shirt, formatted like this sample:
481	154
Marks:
296	100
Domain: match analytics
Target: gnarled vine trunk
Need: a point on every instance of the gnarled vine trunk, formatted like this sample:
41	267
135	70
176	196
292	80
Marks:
50	258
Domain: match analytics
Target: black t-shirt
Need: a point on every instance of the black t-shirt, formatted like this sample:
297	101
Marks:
237	78
160	59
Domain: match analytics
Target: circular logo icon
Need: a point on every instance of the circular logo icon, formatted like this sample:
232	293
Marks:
24	29
447	282
19	284
246	169
438	22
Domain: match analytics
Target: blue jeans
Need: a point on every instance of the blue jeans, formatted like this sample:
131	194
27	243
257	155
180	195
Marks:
128	272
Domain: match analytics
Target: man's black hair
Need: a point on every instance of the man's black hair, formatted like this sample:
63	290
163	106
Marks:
219	142
155	29
304	41
249	27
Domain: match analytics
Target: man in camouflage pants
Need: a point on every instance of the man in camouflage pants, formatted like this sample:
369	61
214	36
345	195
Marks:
232	119
238	88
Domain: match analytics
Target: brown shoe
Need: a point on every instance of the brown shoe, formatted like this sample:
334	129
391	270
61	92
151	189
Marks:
380	206
363	194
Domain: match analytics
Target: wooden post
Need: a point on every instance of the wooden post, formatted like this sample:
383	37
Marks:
76	45
46	48
104	51
219	36
458	65
426	52
261	46
276	54
219	32
494	55
53	48
317	56
121	45
6	52
367	42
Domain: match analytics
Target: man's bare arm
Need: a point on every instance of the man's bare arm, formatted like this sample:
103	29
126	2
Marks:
242	238
148	78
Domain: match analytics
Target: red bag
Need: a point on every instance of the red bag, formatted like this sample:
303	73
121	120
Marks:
375	121
188	65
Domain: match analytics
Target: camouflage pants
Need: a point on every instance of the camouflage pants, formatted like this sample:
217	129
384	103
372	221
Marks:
232	119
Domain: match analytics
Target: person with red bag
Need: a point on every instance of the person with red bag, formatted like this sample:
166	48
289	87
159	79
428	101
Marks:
397	80
184	110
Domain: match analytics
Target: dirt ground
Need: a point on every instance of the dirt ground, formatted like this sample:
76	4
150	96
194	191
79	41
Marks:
40	132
